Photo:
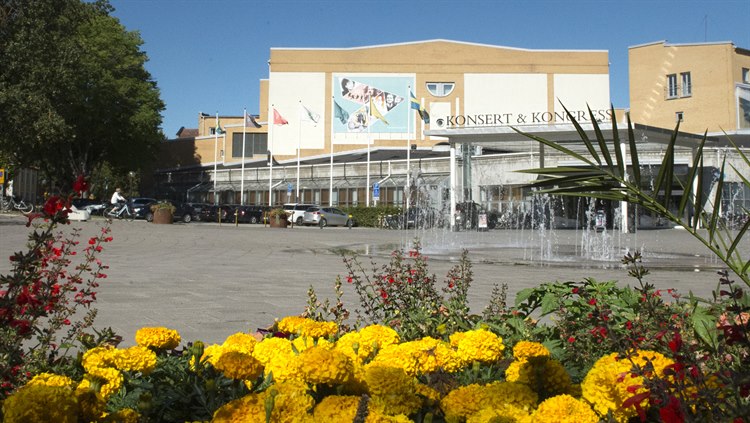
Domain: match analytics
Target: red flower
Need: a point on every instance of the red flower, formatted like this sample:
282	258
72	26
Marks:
676	343
572	339
672	413
592	301
575	290
383	294
349	279
629	325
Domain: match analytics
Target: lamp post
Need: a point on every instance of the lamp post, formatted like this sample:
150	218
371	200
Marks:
131	176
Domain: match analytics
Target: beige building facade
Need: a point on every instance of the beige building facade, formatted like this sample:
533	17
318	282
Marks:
350	127
704	86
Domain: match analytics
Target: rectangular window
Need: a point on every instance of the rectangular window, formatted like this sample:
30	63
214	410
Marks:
255	144
687	87
672	86
746	75
679	116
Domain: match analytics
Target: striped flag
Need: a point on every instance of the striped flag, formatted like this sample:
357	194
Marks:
416	105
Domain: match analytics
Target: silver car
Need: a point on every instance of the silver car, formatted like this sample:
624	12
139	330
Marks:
327	216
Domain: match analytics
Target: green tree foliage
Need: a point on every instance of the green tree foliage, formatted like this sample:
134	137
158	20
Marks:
74	92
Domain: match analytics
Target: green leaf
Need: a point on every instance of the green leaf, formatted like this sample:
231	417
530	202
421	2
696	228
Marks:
617	145
688	187
716	214
584	137
634	163
704	325
549	303
524	295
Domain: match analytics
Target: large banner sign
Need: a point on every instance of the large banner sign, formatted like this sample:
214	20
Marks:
370	103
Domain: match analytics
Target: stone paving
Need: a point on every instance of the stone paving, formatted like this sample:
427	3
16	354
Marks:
208	280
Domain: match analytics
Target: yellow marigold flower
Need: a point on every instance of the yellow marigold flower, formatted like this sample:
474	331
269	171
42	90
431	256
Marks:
423	356
606	385
99	357
243	342
506	413
302	343
392	390
336	408
525	350
250	408
478	345
107	379
126	415
238	365
291	402
136	359
211	354
51	379
307	327
357	384
377	415
542	375
158	337
564	409
41	403
321	365
378	334
91	405
278	358
467	400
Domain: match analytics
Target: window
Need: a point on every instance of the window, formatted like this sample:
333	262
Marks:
254	144
672	86
440	89
687	87
746	75
679	116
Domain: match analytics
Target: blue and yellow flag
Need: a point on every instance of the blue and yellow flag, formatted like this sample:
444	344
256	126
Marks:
416	105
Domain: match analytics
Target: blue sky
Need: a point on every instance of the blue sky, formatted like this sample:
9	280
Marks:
209	55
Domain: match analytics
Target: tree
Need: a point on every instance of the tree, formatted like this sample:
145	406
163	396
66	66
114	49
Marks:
74	92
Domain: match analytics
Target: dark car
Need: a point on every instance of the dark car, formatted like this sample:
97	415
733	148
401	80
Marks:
182	212
214	213
141	206
197	209
248	214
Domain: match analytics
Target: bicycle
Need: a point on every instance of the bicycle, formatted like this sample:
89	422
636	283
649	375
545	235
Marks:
119	211
9	203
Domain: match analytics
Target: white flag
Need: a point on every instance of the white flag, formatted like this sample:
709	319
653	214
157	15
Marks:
308	115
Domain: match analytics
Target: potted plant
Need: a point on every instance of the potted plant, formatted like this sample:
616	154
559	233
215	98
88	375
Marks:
277	218
162	213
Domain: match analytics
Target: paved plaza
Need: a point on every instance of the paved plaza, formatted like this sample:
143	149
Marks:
208	280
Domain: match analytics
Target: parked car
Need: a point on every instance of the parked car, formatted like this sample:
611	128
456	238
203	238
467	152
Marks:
248	214
141	205
296	212
327	216
213	213
197	209
182	212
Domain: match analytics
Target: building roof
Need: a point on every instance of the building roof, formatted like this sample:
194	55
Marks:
187	132
433	41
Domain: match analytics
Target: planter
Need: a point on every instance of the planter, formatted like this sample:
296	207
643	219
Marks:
278	222
163	217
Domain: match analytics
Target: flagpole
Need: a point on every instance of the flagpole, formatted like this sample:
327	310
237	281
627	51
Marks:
270	160
369	123
330	189
242	172
299	147
216	154
408	150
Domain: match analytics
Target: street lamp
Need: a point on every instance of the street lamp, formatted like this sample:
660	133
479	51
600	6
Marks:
131	174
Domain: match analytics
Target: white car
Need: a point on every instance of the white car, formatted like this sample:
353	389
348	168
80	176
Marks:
76	214
296	212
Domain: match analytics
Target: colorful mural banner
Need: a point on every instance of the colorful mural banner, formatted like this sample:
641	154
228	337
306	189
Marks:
354	94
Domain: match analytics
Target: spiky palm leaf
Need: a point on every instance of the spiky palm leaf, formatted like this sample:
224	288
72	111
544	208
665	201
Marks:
609	180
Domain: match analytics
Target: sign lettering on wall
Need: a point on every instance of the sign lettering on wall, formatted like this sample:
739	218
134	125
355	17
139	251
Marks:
500	119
